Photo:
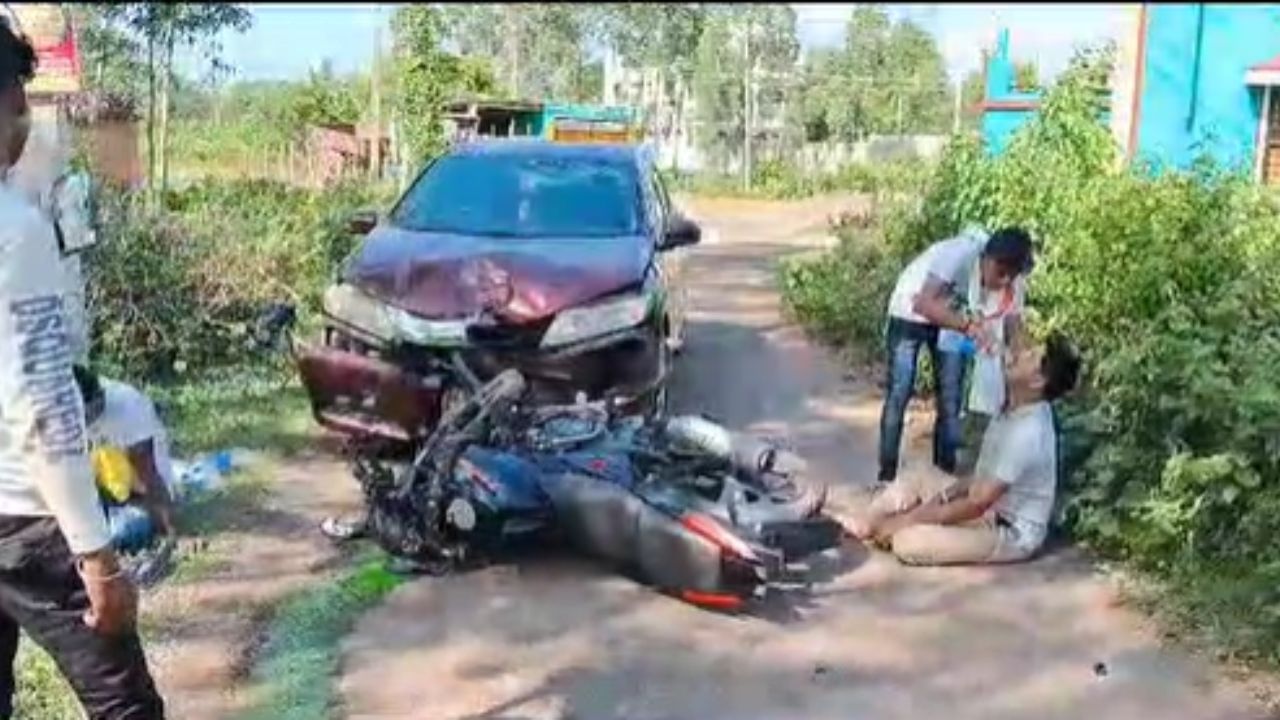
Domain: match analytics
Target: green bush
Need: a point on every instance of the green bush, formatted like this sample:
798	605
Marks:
779	180
1170	282
172	291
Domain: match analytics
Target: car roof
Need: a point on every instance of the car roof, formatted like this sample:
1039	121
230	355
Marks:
614	152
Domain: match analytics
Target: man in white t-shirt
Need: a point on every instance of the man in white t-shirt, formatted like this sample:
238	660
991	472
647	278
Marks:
1003	513
942	295
60	579
122	417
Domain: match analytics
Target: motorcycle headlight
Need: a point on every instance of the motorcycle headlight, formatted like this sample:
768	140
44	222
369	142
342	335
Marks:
349	305
577	324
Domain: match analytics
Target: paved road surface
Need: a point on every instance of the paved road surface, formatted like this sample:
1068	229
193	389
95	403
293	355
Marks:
557	639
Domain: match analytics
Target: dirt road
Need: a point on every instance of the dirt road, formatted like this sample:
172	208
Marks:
556	638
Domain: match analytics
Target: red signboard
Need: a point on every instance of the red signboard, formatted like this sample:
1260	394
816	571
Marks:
48	26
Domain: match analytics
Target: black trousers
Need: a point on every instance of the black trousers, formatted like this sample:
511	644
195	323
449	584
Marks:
41	592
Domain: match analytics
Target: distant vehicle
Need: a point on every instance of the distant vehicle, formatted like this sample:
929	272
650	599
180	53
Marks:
555	259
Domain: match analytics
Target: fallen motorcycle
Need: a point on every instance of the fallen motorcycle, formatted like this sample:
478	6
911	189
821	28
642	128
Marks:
713	517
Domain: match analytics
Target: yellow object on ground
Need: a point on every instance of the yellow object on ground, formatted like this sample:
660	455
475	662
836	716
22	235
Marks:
114	472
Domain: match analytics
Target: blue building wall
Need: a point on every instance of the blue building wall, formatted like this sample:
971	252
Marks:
999	124
1193	102
586	113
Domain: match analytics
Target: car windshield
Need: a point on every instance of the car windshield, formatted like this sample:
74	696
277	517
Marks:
521	196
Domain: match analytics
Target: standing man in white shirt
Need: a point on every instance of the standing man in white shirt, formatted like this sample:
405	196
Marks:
60	581
939	298
1003	513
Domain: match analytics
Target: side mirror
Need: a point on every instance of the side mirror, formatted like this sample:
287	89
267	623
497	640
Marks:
362	222
681	232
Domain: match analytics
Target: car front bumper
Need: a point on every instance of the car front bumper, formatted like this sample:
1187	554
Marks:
358	391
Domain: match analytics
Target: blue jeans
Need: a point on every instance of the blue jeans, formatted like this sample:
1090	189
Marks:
904	341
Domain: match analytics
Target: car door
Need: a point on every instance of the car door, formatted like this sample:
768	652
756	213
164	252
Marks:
672	263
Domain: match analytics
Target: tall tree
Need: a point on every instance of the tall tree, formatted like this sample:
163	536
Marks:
538	51
745	62
889	77
111	57
658	38
163	28
422	68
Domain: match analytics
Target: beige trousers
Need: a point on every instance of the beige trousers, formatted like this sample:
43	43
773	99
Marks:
978	541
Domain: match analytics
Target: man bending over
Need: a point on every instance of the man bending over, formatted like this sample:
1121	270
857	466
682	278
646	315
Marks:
1002	515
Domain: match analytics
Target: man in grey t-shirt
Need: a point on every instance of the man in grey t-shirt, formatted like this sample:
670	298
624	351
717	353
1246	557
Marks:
930	518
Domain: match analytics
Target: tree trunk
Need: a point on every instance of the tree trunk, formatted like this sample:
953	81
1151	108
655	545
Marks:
151	120
166	88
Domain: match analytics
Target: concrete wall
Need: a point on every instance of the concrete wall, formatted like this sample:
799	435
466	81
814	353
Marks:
1191	104
830	157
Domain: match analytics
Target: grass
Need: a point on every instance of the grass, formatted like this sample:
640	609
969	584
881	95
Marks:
42	693
293	679
257	407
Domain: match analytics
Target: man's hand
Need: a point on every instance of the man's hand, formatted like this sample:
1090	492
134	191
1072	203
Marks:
161	512
883	532
113	600
982	335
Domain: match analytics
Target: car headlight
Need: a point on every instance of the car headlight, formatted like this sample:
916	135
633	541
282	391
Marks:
350	306
577	324
430	333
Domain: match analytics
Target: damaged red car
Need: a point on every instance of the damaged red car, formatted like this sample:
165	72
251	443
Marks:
559	260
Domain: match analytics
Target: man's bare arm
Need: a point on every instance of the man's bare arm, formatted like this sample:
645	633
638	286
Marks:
972	505
155	491
934	304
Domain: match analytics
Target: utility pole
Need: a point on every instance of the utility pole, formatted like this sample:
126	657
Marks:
375	154
748	88
512	13
955	116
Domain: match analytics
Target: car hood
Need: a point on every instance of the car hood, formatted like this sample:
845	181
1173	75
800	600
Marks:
444	276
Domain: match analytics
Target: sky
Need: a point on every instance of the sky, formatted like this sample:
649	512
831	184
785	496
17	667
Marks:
286	40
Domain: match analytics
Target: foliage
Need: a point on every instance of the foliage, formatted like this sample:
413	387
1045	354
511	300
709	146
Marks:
41	692
889	78
158	30
170	293
1169	283
421	87
780	180
538	51
111	57
741	47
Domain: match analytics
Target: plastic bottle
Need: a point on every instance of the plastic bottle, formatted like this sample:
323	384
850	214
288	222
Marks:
952	341
207	473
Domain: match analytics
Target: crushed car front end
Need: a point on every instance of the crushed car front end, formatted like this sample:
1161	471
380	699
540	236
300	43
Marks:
379	371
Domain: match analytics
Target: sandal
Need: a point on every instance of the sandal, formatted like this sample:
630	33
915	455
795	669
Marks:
339	530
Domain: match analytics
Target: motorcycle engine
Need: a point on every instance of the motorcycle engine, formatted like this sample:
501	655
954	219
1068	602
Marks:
567	430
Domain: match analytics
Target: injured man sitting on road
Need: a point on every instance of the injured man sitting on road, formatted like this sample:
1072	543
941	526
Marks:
1002	514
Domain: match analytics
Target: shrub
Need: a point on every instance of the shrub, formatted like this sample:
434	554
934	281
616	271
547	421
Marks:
780	180
1170	281
172	291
